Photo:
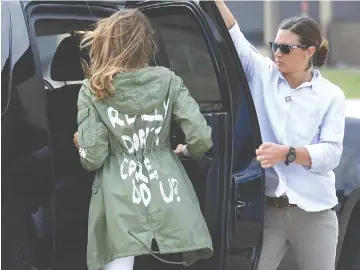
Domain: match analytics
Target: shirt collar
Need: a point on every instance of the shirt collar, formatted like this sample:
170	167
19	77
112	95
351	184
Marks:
313	83
316	79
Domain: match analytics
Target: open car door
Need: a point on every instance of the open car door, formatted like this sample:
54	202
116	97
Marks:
193	41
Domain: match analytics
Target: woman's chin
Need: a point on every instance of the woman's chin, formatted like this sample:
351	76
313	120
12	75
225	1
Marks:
281	67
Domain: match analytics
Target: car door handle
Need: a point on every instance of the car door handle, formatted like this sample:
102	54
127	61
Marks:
241	204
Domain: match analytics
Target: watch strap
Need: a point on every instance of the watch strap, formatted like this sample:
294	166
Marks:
291	152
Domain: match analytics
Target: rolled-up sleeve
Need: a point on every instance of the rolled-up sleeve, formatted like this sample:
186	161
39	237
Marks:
251	59
325	155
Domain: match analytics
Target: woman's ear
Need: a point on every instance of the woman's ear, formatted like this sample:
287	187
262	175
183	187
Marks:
310	51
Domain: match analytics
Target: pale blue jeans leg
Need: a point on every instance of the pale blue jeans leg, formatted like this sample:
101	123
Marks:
126	263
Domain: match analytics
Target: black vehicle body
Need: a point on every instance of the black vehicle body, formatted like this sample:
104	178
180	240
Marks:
45	192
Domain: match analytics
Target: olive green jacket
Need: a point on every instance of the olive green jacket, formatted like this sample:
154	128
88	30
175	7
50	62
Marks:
141	191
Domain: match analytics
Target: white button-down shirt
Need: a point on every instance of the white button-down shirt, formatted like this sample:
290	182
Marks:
310	116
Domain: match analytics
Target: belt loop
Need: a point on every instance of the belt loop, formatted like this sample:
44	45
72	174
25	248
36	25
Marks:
277	199
288	202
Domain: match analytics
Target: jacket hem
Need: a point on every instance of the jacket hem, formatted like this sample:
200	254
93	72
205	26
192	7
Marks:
100	265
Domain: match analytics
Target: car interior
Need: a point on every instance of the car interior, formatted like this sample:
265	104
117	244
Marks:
72	184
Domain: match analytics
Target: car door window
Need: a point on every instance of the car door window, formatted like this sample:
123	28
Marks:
5	55
23	94
188	56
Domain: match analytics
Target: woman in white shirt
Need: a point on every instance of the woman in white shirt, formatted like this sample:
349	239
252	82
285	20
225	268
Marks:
301	118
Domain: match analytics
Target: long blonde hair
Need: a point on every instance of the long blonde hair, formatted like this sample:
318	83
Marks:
120	43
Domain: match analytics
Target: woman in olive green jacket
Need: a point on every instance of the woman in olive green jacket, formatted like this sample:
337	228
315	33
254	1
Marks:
141	191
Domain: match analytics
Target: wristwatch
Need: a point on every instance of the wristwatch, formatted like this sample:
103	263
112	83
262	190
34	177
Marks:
291	156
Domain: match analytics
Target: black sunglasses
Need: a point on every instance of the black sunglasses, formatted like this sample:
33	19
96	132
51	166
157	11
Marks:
285	48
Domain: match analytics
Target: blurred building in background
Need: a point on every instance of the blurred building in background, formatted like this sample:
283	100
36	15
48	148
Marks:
339	21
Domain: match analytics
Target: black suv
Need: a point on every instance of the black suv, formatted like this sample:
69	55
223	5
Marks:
45	191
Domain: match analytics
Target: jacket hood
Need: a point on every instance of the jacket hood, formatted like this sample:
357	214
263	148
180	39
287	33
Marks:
140	91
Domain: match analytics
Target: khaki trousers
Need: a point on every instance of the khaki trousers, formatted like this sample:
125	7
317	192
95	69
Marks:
312	237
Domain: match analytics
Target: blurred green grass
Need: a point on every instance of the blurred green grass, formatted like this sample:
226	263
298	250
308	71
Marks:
347	79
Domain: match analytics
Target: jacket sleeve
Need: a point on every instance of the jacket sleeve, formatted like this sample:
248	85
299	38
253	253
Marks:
187	114
93	135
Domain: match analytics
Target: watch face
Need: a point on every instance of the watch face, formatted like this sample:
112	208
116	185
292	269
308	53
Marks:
292	157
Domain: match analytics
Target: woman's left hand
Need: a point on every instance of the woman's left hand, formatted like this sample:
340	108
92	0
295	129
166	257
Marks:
179	150
270	154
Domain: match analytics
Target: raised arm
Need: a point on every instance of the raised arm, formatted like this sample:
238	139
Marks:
228	17
251	59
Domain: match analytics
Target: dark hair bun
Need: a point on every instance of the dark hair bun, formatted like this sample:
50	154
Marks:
321	53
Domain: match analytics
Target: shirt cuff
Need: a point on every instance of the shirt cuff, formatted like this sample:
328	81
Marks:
315	156
235	31
185	151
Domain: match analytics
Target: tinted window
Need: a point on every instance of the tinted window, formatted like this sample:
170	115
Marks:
5	37
5	53
22	60
188	56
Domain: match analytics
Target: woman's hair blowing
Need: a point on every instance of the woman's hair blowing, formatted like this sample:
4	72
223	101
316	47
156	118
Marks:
309	34
122	42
